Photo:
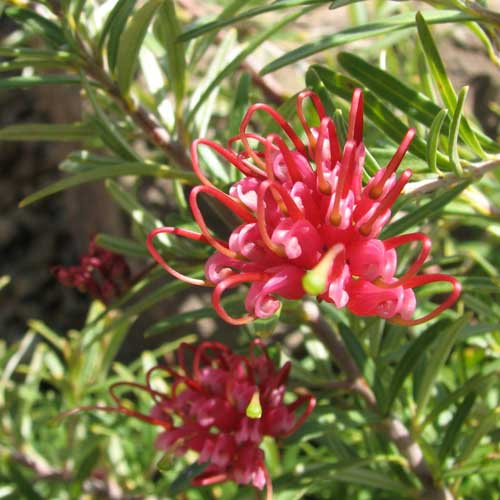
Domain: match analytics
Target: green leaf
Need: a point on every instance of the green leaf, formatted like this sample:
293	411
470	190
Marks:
36	63
130	44
114	25
24	486
111	136
183	481
18	82
47	333
168	30
122	246
47	132
91	335
250	47
139	214
96	174
430	210
219	61
203	43
37	24
433	139
381	27
438	357
442	81
454	129
487	424
453	428
365	364
411	358
175	320
408	100
240	104
381	116
30	53
222	22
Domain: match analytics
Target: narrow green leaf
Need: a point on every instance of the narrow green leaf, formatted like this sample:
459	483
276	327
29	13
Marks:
130	44
433	140
453	428
487	424
18	82
454	129
408	362
477	384
250	47
219	61
405	98
37	24
487	466
47	333
83	160
179	319
36	63
24	486
96	174
30	53
139	214
202	44
374	109
394	23
168	30
221	23
430	210
438	357
89	336
110	134
372	479
47	132
240	104
365	364
114	25
122	246
442	81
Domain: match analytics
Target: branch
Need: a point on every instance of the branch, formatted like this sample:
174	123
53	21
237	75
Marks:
397	432
475	171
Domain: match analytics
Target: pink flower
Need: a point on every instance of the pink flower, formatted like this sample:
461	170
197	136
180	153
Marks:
102	274
221	405
308	224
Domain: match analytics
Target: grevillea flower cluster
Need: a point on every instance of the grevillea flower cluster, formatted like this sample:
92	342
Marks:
309	225
221	405
102	274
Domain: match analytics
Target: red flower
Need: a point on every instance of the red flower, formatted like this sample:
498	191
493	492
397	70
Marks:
221	406
309	225
102	274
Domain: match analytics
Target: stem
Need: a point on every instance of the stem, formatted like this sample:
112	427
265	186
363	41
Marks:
474	171
395	430
157	134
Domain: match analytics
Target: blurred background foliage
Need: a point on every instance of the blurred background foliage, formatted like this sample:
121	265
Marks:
145	78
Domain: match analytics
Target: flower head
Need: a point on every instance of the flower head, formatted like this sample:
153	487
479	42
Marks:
102	274
221	405
309	225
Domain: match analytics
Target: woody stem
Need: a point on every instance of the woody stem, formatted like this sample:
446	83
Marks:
395	430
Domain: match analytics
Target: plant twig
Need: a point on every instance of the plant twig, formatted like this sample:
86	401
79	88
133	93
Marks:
397	432
474	171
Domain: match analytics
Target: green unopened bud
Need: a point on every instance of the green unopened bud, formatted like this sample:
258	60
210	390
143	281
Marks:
315	280
254	409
